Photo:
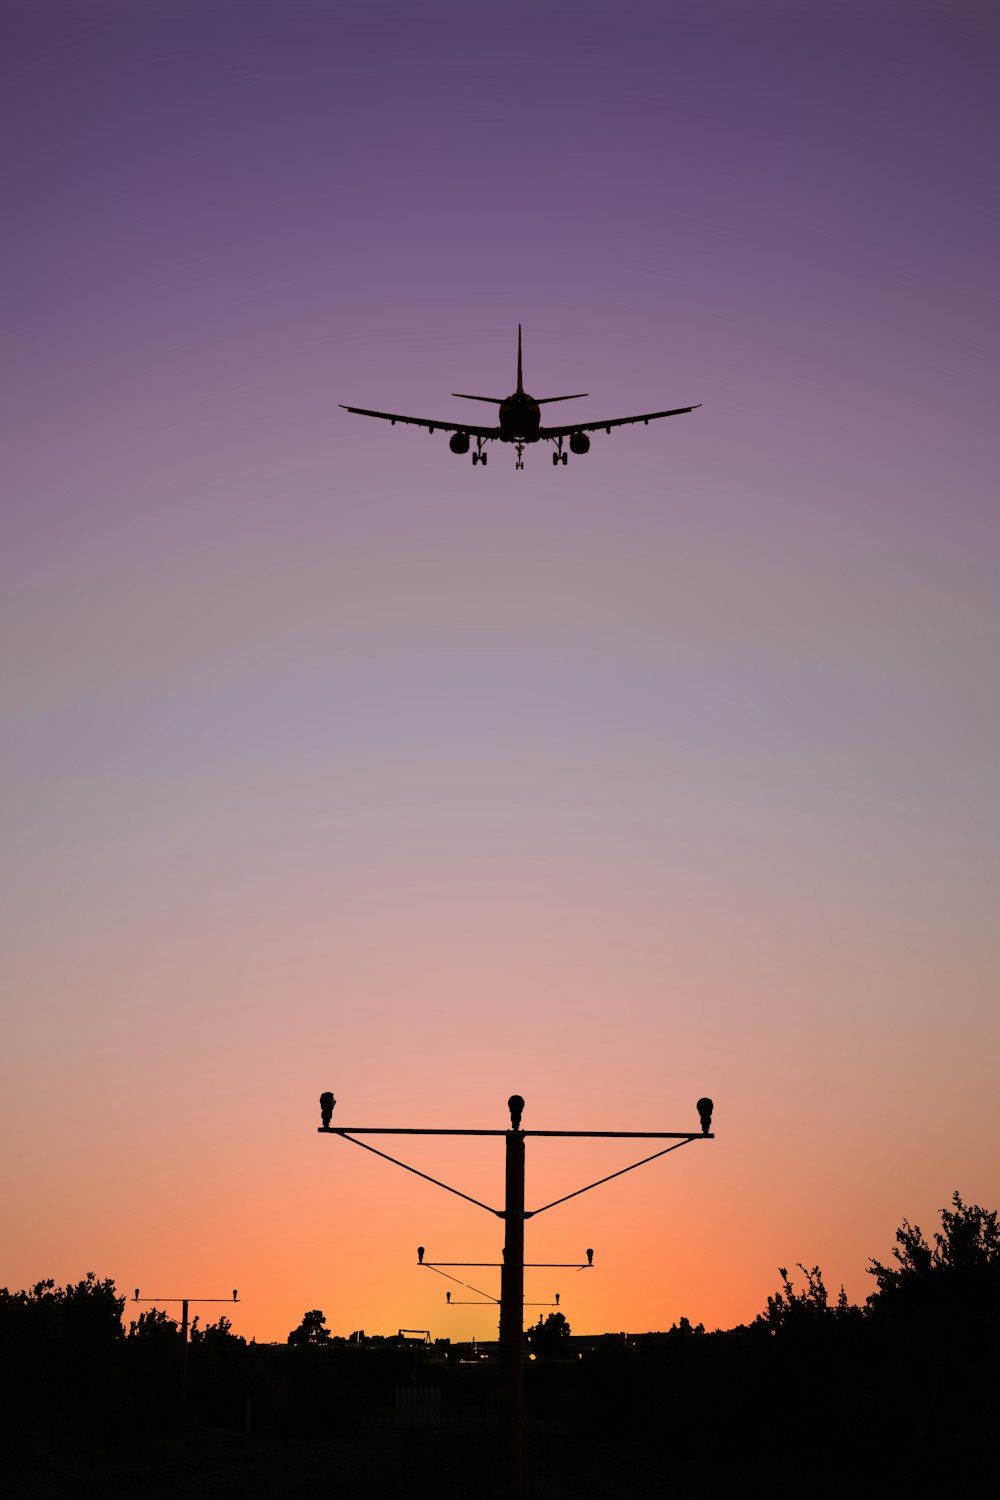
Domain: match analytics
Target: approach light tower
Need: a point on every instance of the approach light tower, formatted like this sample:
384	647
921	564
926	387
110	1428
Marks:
513	1213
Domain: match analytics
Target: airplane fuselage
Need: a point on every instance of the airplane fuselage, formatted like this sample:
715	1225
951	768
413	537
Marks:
520	418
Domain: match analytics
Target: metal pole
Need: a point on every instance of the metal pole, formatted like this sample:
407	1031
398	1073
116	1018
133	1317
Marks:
184	1352
511	1352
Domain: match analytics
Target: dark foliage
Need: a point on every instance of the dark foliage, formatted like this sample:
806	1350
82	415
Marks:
312	1329
61	1358
961	1273
549	1336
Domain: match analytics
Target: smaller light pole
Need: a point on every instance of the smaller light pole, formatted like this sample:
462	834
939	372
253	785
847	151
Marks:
496	1265
184	1326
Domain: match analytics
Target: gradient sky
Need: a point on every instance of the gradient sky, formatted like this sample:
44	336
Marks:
331	762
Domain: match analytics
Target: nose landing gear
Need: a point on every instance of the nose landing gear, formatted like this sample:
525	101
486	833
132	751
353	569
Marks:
520	455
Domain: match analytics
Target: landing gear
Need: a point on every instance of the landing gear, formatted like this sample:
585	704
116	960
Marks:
480	456
520	455
559	456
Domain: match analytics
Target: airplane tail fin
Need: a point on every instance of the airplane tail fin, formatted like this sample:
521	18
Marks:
499	400
542	400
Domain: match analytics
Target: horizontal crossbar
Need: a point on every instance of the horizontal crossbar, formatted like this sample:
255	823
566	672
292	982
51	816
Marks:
613	1135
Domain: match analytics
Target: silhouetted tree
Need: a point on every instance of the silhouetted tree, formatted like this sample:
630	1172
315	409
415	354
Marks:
74	1318
549	1335
218	1334
936	1315
684	1329
220	1373
789	1308
962	1268
88	1312
312	1329
153	1325
155	1361
61	1348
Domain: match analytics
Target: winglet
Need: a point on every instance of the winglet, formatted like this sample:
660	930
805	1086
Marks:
520	386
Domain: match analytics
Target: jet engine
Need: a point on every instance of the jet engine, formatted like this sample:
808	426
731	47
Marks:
459	442
579	442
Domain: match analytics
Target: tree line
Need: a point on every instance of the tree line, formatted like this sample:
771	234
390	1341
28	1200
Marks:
815	1395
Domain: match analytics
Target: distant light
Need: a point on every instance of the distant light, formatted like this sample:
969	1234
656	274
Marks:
326	1103
704	1108
516	1105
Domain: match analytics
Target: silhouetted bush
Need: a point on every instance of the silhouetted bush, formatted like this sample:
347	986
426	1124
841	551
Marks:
62	1360
549	1336
312	1329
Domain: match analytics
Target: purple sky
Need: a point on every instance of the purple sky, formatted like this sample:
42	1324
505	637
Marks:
325	751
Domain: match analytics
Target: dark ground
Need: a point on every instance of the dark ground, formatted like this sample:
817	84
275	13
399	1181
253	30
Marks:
430	1464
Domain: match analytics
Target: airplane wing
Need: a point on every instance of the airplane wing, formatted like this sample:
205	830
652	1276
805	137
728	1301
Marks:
649	416
431	424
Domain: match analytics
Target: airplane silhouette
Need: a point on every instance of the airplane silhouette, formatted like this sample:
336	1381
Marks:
520	422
